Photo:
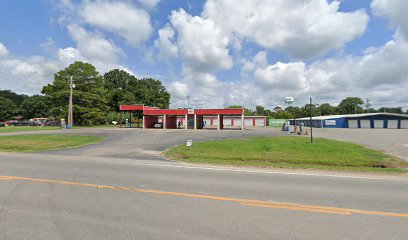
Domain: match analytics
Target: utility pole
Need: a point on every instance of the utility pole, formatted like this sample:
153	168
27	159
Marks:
188	102
70	111
367	104
311	129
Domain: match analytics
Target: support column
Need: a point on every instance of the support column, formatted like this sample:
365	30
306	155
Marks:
164	121
120	120
195	122
242	122
144	126
186	122
219	124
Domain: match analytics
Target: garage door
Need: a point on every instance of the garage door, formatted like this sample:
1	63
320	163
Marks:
404	123
378	123
260	122
365	123
353	123
227	122
249	122
237	122
392	123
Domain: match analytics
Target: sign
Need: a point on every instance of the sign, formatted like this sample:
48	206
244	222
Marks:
190	111
189	143
330	122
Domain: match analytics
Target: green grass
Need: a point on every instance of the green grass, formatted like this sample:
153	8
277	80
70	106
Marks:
288	152
25	128
43	142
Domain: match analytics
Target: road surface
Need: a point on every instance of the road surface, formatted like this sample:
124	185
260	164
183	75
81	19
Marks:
127	191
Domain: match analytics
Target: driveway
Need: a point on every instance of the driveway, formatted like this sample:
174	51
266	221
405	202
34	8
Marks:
146	144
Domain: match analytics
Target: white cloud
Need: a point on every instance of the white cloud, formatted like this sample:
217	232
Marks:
303	28
122	18
3	50
178	90
201	44
395	10
26	76
94	46
381	74
164	43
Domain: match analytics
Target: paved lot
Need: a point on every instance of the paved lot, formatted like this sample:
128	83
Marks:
392	141
123	189
146	144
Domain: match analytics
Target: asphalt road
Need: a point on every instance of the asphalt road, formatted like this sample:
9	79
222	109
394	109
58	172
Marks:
123	189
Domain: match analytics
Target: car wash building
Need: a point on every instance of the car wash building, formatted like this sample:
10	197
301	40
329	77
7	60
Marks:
153	117
365	120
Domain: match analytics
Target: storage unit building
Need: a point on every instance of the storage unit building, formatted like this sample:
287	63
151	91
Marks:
366	120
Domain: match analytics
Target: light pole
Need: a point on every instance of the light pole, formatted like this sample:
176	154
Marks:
70	111
311	128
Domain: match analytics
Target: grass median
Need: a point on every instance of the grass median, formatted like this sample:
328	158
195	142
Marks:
9	129
44	142
288	152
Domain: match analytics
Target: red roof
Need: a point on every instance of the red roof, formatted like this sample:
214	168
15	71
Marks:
156	111
136	107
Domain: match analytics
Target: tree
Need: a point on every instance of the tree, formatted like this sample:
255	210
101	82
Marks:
260	110
277	109
16	98
150	92
247	111
295	111
89	95
351	105
306	111
35	106
8	109
116	83
327	109
283	115
391	110
124	88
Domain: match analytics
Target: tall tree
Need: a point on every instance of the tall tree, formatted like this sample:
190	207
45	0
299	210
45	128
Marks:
8	109
260	110
351	105
117	85
327	109
306	111
283	115
295	111
89	95
16	98
35	106
150	92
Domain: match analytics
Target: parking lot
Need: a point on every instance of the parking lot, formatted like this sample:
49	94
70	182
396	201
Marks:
149	144
392	141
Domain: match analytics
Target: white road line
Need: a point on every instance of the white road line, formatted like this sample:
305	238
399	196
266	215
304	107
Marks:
267	172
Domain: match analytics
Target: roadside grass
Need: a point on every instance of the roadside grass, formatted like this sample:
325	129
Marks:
288	152
97	126
9	129
44	142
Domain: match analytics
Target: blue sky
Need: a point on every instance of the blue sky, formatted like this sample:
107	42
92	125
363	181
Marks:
216	52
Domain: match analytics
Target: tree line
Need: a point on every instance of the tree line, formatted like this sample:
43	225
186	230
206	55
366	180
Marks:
350	105
94	95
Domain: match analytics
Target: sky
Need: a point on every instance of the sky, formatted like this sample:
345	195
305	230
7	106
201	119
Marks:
216	53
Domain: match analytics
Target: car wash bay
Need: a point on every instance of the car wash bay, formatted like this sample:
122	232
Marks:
184	118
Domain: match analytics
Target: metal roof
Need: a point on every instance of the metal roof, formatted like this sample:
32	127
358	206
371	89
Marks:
354	116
